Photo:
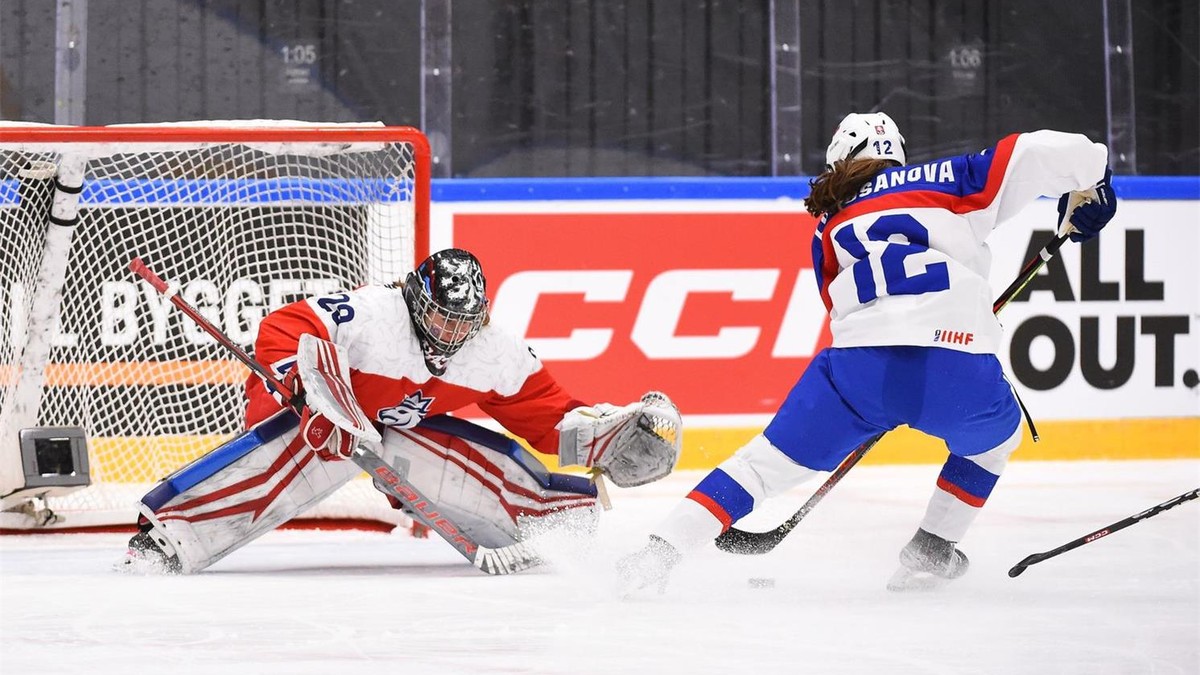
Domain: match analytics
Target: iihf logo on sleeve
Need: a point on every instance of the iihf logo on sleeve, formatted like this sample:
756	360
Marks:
954	337
407	413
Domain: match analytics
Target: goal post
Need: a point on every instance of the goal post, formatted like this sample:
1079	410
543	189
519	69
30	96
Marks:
100	382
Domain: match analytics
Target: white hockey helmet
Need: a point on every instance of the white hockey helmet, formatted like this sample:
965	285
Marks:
866	136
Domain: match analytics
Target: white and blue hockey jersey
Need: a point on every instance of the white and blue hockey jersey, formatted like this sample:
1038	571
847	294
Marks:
905	261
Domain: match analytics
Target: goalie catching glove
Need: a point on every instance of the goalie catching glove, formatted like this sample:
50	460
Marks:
634	444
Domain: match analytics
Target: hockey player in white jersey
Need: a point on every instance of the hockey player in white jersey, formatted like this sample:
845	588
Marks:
902	265
407	354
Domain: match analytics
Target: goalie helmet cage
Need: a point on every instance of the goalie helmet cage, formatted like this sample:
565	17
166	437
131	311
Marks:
242	217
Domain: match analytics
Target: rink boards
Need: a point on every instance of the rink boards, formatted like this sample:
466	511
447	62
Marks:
704	288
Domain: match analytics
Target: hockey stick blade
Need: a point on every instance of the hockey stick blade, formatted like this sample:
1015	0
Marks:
742	542
1024	565
1102	532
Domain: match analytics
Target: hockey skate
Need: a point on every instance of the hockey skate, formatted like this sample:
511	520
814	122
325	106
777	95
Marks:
649	567
145	556
928	562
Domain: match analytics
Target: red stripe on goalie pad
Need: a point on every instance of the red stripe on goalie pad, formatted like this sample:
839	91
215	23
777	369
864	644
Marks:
471	461
255	506
479	459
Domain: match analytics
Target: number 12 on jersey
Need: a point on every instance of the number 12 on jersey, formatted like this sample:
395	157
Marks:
896	279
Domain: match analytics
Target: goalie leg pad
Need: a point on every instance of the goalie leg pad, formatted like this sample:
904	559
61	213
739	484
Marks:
238	492
490	487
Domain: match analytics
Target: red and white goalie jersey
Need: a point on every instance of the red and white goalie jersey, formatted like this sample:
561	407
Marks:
495	369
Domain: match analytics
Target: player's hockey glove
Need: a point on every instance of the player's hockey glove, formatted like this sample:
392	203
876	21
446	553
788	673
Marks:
633	444
1098	206
330	443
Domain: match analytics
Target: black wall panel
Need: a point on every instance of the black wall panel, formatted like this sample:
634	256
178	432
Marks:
626	87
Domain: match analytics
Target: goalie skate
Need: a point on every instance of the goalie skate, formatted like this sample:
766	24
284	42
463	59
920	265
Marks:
928	562
146	556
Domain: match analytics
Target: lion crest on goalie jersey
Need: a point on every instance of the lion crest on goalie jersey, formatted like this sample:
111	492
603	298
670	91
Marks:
407	413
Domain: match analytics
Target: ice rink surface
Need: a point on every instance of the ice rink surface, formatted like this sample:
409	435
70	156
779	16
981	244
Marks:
362	603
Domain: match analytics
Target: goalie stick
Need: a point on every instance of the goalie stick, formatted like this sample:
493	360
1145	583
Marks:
743	542
1103	532
388	479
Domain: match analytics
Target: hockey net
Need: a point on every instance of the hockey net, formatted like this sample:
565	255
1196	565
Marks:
243	218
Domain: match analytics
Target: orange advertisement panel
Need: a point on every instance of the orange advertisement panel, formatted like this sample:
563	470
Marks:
719	310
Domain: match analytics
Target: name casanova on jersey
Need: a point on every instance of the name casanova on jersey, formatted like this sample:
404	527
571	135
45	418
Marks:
915	235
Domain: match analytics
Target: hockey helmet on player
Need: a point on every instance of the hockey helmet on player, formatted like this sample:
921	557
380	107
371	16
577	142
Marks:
866	136
447	298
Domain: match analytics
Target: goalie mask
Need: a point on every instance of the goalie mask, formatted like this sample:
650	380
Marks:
866	136
447	300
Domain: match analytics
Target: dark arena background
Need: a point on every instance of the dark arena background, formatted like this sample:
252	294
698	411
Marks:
632	177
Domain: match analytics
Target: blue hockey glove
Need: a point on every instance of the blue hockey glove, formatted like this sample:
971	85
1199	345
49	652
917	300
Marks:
1091	217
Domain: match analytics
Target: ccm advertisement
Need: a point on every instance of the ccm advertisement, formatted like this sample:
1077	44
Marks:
714	302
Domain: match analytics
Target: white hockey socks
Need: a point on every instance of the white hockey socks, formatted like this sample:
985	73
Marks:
963	487
758	467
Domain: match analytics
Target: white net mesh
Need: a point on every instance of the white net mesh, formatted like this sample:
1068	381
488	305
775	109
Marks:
242	228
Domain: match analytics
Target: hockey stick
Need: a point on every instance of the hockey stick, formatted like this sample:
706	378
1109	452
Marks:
1028	272
743	542
1102	532
387	479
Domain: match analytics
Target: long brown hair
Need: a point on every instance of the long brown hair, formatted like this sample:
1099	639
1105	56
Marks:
834	186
